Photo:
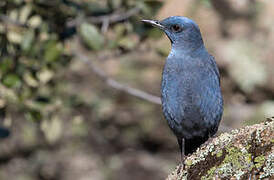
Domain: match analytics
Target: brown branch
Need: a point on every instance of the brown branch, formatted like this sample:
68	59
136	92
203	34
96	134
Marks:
115	84
115	17
107	19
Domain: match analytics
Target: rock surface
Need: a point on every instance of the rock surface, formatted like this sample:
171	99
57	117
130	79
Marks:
246	153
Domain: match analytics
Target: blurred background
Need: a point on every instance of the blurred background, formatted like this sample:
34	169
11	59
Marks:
80	81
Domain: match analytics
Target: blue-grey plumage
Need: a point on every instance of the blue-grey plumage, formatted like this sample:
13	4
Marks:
192	102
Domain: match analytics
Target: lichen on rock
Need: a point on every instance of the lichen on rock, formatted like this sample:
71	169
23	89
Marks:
241	154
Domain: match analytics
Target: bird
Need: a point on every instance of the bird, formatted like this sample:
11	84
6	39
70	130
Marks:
191	96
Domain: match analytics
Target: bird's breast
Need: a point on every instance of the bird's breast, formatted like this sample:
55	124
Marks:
183	95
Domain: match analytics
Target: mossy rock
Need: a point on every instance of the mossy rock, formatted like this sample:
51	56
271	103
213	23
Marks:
246	153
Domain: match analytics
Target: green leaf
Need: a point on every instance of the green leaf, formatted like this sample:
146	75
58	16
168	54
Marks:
11	80
24	13
91	36
5	64
35	21
27	41
128	42
33	115
30	80
53	50
52	129
45	75
15	37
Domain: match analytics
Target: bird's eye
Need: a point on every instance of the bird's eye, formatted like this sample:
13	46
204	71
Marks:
176	28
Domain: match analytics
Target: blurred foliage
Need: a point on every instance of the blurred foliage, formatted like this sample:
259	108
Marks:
37	39
32	34
31	53
91	36
243	56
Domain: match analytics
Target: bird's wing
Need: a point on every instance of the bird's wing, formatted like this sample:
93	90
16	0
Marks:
211	101
214	66
211	108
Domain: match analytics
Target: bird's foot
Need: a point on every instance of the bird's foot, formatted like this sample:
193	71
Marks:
181	167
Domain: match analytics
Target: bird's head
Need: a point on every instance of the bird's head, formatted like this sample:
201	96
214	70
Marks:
182	31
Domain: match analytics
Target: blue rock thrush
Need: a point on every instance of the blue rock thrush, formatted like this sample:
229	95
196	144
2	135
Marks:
192	101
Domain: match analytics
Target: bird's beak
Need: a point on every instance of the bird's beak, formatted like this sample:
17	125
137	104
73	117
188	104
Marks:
154	23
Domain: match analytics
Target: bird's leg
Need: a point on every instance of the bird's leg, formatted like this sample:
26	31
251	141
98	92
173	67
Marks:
181	142
183	152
